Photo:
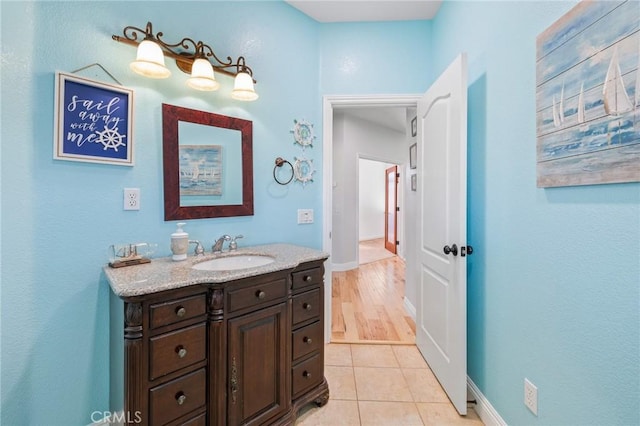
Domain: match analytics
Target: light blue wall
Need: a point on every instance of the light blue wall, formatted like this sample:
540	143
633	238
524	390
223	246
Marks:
58	217
554	281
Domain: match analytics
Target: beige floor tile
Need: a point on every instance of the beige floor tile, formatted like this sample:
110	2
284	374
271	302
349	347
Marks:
334	413
342	382
389	413
381	384
409	356
337	354
373	356
443	414
424	386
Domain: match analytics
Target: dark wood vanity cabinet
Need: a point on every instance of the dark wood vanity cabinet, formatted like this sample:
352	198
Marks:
244	352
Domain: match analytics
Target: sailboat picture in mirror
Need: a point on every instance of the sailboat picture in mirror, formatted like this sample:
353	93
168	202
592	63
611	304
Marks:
588	96
208	164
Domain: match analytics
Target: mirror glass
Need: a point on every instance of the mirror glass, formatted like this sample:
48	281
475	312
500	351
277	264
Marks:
208	165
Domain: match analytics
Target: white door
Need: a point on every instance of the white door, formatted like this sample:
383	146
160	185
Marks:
441	326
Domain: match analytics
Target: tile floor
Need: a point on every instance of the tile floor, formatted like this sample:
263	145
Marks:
387	385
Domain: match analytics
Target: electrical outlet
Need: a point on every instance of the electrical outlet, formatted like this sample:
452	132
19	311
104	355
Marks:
531	396
132	199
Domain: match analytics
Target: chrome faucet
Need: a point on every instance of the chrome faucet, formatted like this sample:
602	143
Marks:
218	246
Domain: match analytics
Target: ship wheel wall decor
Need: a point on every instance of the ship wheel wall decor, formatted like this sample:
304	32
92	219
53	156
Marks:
303	133
303	170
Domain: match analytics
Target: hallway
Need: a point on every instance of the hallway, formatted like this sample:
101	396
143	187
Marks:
368	304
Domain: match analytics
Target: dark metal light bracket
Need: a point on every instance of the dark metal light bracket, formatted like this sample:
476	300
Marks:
184	52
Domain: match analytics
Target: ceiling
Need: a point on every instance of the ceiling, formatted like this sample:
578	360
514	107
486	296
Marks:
371	11
394	118
367	10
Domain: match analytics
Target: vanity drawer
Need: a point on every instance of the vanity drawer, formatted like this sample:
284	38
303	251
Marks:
178	397
201	420
173	351
307	340
162	314
306	374
306	306
256	295
307	277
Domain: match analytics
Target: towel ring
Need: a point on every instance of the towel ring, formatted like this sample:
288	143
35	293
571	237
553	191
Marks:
279	162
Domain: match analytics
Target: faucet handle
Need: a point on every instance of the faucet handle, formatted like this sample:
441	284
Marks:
199	250
233	245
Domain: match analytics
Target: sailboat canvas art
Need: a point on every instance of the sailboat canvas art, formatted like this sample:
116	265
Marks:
588	96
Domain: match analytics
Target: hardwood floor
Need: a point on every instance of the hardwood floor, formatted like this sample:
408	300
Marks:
367	305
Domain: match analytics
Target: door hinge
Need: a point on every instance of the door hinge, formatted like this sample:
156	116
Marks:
397	209
397	175
397	243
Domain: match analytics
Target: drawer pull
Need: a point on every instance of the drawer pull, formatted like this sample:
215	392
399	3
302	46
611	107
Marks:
307	340
261	294
308	278
181	398
306	306
306	374
181	311
181	351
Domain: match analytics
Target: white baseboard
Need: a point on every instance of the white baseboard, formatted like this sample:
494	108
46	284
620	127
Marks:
483	407
339	267
411	310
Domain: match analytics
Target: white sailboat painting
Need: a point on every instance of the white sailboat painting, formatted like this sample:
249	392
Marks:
615	97
588	96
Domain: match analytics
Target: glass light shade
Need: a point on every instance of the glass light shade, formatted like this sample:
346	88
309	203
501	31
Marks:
150	61
202	77
243	88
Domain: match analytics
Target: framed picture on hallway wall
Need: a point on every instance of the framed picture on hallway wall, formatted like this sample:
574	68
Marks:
588	96
93	121
414	182
413	156
414	127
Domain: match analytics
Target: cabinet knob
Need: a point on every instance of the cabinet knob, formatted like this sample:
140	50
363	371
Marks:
181	351
306	306
181	311
307	278
306	374
261	294
307	340
181	398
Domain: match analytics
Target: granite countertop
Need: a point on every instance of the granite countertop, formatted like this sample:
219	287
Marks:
165	274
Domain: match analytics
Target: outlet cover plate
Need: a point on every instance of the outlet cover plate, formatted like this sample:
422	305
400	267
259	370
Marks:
531	396
131	199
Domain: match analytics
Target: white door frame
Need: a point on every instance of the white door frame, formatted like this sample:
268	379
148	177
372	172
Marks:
329	102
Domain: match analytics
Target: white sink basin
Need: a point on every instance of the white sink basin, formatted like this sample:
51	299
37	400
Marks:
233	263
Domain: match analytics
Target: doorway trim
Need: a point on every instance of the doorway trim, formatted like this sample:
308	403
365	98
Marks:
329	103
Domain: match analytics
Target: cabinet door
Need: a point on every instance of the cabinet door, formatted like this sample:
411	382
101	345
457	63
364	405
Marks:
258	381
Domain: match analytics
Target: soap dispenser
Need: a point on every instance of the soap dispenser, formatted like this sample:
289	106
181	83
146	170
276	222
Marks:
179	243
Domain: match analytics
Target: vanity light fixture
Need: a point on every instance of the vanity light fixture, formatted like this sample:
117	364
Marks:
193	58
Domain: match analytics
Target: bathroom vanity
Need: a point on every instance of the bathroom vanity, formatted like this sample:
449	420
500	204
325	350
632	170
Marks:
235	347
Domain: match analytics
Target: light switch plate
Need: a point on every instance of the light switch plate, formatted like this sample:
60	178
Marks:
305	216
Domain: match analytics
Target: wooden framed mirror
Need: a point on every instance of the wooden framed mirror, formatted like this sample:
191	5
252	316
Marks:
208	164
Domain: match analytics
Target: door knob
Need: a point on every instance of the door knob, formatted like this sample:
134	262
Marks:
469	251
453	250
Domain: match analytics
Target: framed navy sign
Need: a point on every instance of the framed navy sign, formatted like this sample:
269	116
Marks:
93	121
